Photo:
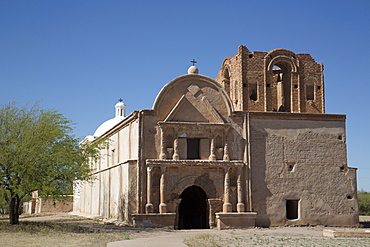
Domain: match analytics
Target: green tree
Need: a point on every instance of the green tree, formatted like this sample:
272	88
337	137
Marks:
39	152
363	202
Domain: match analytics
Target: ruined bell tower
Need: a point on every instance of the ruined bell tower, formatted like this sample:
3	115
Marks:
278	80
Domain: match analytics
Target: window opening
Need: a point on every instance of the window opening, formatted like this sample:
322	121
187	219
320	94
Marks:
226	80
253	91
193	148
169	141
292	209
310	95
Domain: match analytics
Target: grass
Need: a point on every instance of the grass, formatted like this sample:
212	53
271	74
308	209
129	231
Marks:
56	234
210	240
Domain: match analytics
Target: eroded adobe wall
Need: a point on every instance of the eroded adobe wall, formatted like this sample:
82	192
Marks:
301	158
278	80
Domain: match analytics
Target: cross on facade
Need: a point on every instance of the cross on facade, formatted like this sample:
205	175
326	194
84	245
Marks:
120	100
193	61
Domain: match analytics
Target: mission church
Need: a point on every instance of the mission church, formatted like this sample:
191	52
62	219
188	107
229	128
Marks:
252	147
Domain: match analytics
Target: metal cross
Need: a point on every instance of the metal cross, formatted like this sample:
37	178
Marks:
193	61
120	100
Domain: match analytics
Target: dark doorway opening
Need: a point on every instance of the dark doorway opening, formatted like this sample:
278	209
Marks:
292	209
193	209
193	148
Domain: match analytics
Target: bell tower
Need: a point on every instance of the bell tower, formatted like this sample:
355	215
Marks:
278	80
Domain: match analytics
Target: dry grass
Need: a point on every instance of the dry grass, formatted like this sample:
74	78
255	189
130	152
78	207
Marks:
210	240
56	234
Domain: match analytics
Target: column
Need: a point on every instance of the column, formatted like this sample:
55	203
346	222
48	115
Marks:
163	155
227	207
226	152
212	155
240	207
162	191
176	155
149	205
226	147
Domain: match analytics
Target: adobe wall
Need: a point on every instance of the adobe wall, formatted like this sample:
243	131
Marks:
48	205
112	194
301	157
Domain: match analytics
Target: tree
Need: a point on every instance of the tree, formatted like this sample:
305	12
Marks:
39	152
363	202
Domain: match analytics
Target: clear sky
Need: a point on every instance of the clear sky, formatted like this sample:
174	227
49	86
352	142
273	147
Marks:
80	57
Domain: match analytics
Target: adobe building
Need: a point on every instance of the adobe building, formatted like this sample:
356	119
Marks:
253	147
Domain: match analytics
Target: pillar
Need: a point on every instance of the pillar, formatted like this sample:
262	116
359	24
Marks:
176	155
212	155
227	207
226	152
226	147
163	155
162	191
240	207
149	204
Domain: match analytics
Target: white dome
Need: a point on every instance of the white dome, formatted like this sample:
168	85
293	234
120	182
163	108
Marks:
193	70
120	104
107	125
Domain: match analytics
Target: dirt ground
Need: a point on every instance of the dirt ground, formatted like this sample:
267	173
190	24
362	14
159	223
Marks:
273	236
95	226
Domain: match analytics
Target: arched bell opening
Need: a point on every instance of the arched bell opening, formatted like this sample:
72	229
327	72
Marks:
282	78
193	209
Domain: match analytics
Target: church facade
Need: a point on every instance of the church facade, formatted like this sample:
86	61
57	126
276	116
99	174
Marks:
253	147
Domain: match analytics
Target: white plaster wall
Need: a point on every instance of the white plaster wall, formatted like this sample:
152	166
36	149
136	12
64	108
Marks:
107	195
95	194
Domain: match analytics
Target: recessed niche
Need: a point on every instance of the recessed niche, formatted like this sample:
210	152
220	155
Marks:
290	166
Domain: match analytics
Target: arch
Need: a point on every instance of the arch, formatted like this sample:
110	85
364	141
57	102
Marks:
193	209
279	67
226	78
282	58
283	62
226	72
202	181
173	92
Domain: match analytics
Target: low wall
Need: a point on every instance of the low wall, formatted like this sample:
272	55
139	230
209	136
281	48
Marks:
48	205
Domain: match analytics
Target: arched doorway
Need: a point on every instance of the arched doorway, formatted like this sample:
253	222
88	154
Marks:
193	213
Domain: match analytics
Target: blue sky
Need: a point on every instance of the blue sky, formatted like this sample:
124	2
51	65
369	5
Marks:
80	57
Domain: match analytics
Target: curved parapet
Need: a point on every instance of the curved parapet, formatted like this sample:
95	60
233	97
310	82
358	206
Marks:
193	98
